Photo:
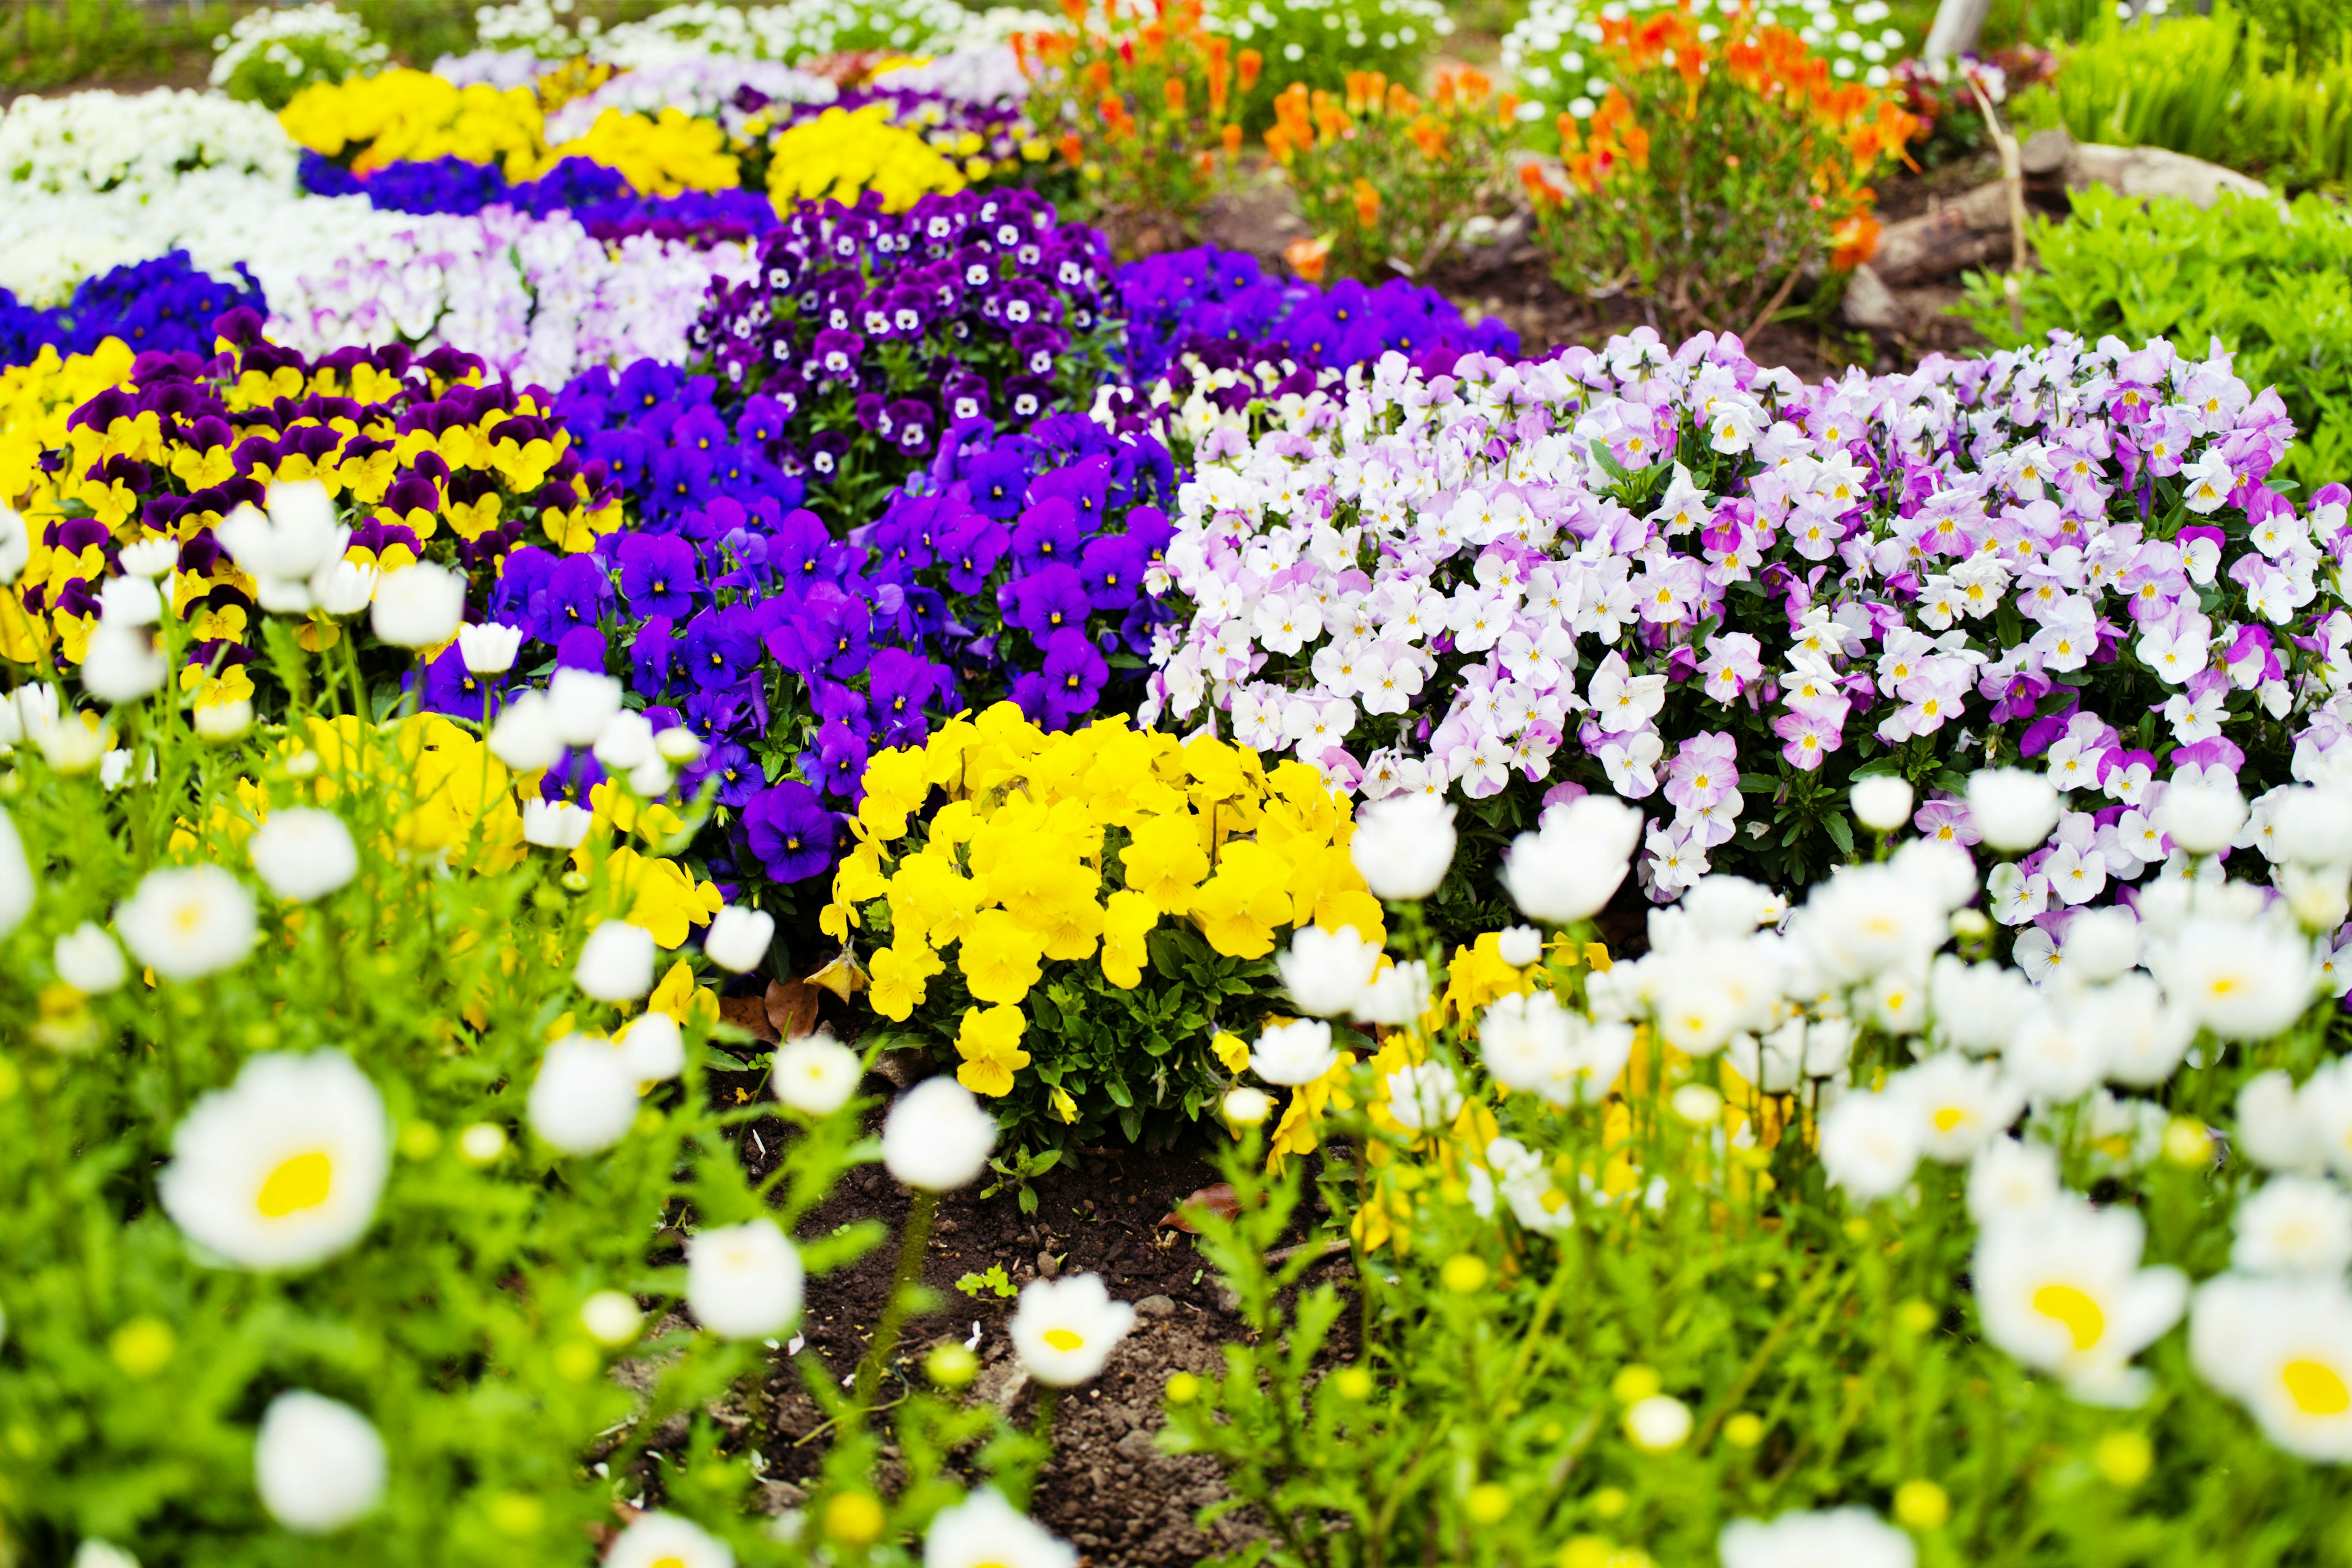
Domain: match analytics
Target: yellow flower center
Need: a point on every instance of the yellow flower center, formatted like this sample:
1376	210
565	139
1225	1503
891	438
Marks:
1949	1117
2316	1387
1064	1339
298	1183
673	1560
2077	1312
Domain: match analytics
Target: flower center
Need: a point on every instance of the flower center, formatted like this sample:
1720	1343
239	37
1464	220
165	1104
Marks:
2316	1388
1068	1340
298	1183
2077	1312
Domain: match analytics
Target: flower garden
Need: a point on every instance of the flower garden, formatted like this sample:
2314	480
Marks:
1329	783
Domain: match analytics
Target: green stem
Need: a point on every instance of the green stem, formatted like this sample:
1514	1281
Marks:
903	1286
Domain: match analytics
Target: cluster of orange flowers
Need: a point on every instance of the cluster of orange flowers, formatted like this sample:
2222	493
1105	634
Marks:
1160	38
1304	119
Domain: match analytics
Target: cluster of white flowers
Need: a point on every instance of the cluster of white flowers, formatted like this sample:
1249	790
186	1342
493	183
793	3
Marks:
1390	25
794	32
142	143
282	38
695	85
1554	50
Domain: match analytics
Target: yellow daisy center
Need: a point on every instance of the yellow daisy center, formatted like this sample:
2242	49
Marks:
1064	1339
2316	1387
298	1183
2077	1312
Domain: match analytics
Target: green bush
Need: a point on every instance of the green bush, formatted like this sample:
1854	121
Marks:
2218	88
2273	283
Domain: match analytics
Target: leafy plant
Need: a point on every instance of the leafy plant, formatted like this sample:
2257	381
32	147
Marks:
1717	169
1017	1172
2272	284
993	1282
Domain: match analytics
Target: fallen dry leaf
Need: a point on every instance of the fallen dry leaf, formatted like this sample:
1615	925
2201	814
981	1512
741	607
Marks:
791	1008
748	1013
1218	1200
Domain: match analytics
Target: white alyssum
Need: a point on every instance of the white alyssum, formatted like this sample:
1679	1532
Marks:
319	1464
283	1168
303	853
186	922
745	1282
936	1138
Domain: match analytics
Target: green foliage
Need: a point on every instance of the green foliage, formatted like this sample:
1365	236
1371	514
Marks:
1320	42
2273	285
993	1282
1017	1171
2220	87
49	43
268	57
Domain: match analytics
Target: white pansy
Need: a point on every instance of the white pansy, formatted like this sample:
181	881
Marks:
284	1167
1294	1053
1403	844
303	853
87	959
985	1532
2293	1224
617	963
2283	1349
583	1098
739	938
816	1074
2059	1287
1327	972
936	1138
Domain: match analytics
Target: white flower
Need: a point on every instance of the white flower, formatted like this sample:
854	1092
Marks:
985	1532
2294	1225
2009	1178
304	853
121	664
745	1282
1882	801
2281	1129
2014	810
1870	1143
625	742
668	1540
1525	1041
1424	1097
488	648
1064	1330
816	1074
524	736
15	874
1519	945
94	1552
1962	1104
2057	1053
2061	1288
16	545
130	601
284	551
317	1463
2284	1348
2202	817
419	605
1247	1107
653	1047
617	963
936	1138
187	922
87	960
224	720
580	702
739	938
2143	1037
584	1098
1658	1424
2243	982
1326	972
1397	995
1839	1538
2101	944
1977	1007
1576	860
1403	844
1294	1053
282	1168
556	824
343	588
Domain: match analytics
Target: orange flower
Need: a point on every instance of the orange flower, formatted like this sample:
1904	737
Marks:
1368	204
1173	90
1541	189
1853	242
1072	148
1307	257
1249	62
1231	136
1429	136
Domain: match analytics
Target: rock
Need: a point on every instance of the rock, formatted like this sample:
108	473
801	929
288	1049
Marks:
1971	231
902	1066
2145	173
2044	154
1137	1443
1156	1307
1870	304
776	1496
1048	1266
1228	1298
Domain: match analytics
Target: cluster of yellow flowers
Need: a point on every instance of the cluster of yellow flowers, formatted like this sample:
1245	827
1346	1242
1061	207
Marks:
843	153
403	115
1073	848
400	115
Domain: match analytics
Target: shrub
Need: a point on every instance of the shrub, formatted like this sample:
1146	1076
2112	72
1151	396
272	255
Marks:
1385	179
1714	173
270	56
1862	1216
1015	919
2269	282
1323	42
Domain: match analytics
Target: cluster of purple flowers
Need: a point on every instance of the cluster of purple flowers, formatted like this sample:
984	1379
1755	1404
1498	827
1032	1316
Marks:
165	305
596	195
876	333
669	447
1222	306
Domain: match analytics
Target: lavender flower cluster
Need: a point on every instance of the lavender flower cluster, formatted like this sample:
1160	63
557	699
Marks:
594	196
164	305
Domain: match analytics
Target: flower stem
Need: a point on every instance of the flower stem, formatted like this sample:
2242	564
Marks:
903	1286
